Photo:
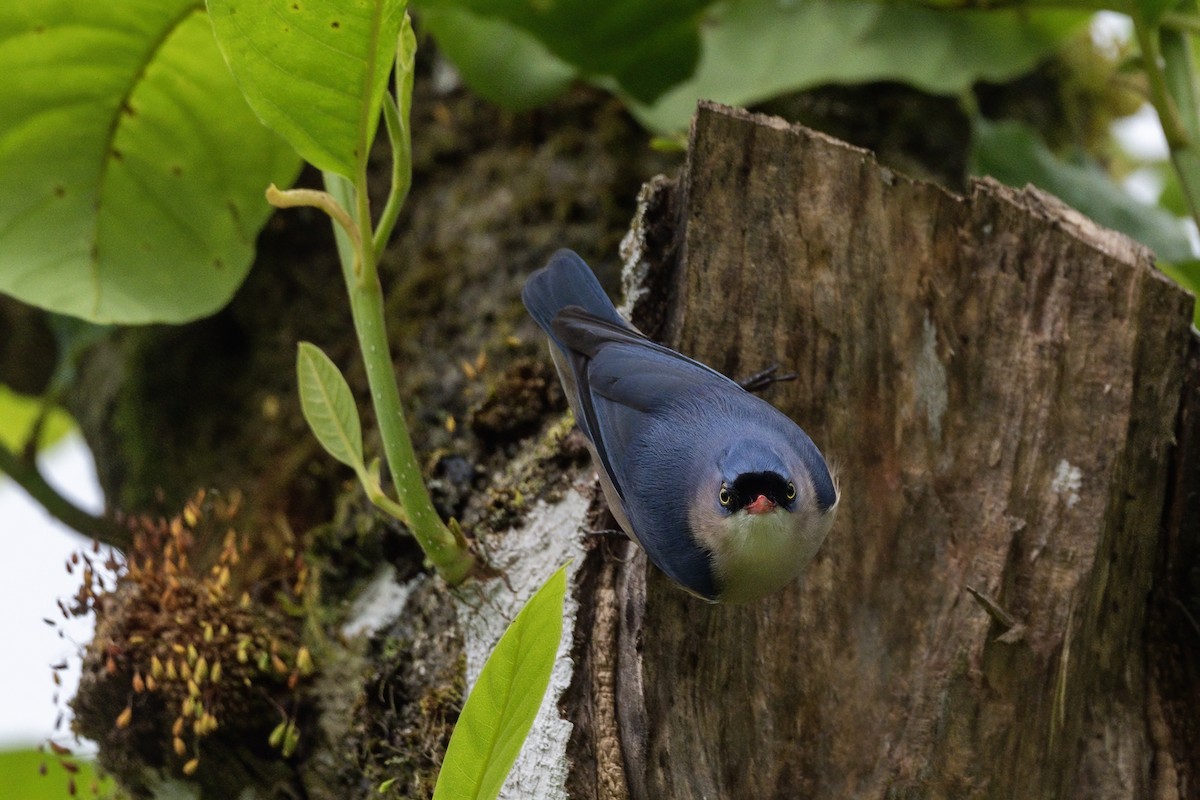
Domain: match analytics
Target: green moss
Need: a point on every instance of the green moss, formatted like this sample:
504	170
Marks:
539	472
409	702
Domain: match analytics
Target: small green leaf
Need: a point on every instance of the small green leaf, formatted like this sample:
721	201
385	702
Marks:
131	169
313	70
754	50
328	406
406	70
1013	153
17	416
501	708
502	62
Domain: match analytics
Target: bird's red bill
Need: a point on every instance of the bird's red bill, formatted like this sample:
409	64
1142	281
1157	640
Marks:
761	505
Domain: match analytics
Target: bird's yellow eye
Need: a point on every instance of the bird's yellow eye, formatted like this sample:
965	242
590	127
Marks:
791	491
725	497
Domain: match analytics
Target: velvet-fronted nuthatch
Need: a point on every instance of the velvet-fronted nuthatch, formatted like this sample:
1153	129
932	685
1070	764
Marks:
726	495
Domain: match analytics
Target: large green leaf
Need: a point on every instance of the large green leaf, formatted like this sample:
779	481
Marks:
757	49
645	47
328	406
501	708
314	70
21	776
500	61
131	169
1013	153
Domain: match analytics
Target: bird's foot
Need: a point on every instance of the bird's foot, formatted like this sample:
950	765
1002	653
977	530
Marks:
761	380
608	533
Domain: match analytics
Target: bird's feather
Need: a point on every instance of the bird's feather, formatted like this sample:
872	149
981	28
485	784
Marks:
567	281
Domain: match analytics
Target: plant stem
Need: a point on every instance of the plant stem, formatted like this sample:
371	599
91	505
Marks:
1167	59
401	173
292	198
28	477
396	114
358	246
447	552
1180	80
1160	96
381	501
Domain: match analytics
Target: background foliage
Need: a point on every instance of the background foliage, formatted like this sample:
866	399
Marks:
132	168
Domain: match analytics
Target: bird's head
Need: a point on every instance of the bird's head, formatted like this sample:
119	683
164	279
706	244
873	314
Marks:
762	512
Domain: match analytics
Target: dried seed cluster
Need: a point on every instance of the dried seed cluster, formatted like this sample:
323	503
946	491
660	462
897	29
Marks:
187	651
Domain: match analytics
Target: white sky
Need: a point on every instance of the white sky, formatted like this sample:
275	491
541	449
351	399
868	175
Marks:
35	550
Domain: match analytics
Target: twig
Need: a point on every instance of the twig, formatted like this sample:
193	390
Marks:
28	477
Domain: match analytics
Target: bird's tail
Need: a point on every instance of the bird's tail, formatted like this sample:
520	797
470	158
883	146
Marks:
566	281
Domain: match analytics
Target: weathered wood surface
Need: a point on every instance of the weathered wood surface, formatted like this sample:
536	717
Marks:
998	382
1173	639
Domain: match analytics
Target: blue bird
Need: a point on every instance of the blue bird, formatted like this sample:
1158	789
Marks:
727	496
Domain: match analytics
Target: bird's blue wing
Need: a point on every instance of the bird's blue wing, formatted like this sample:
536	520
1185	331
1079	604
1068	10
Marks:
641	376
586	334
623	377
645	449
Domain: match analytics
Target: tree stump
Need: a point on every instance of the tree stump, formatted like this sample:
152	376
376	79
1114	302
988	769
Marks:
999	384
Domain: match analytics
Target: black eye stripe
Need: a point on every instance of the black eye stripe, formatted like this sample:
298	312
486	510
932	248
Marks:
736	494
750	485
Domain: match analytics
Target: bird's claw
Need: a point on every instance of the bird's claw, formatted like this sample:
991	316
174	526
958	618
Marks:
761	380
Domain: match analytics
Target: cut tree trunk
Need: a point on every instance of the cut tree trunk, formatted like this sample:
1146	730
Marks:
1005	391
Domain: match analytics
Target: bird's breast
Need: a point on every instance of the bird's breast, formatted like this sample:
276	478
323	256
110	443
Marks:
754	555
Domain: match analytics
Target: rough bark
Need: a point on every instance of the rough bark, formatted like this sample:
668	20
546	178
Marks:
998	382
1173	640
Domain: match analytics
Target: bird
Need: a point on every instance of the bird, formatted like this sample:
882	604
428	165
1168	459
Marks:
726	494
